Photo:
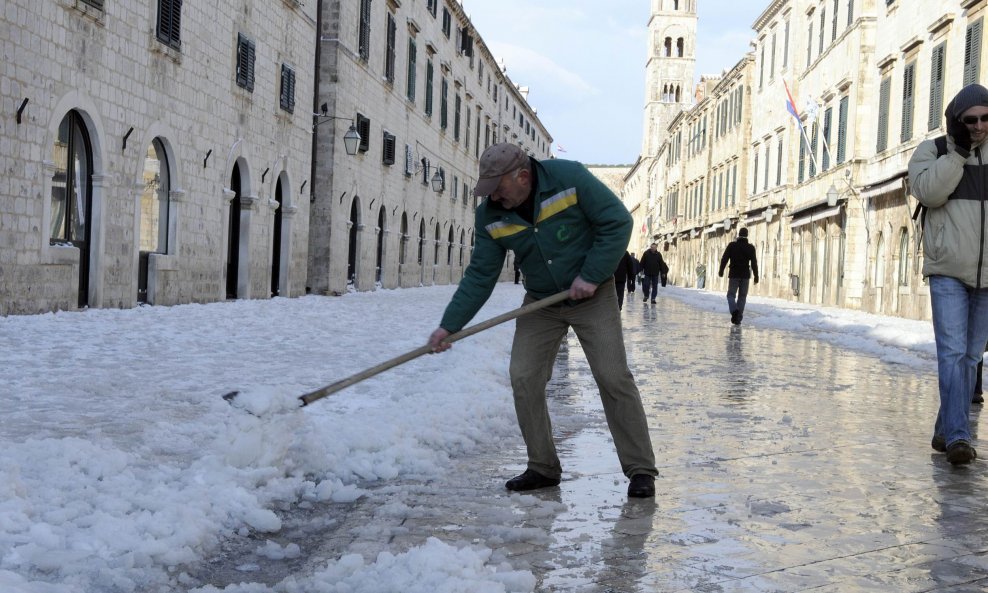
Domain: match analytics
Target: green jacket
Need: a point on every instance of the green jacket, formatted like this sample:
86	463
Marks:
956	228
581	229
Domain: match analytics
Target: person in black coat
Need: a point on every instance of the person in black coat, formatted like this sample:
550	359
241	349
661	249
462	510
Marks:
653	267
633	278
624	271
741	255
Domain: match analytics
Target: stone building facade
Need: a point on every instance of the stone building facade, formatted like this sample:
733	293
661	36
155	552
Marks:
153	152
427	97
826	199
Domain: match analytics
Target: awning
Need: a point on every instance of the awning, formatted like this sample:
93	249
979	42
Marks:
815	216
886	186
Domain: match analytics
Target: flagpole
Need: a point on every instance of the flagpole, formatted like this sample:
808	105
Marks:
799	122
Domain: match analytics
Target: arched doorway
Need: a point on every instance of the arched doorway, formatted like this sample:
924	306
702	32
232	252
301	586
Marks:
154	213
276	238
351	262
379	264
233	242
72	195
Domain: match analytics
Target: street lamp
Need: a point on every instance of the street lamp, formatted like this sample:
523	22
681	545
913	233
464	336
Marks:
351	140
832	196
437	182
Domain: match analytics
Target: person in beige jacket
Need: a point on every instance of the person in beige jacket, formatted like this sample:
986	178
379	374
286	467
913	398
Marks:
952	185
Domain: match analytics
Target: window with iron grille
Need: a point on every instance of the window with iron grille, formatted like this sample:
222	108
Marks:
287	88
389	49
245	62
363	128
388	149
363	34
169	30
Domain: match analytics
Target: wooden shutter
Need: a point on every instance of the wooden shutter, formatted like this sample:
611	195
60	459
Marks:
287	88
908	94
936	86
972	52
388	149
842	129
884	98
364	29
828	118
169	22
363	128
410	91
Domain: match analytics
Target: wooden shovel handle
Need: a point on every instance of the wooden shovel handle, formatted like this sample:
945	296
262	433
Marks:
322	392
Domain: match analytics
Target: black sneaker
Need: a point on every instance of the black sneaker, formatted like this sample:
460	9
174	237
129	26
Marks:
653	301
961	452
939	443
978	399
641	486
530	480
734	317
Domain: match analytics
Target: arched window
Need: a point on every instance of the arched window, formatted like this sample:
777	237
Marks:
903	257
435	247
421	242
668	47
449	247
403	239
462	244
154	212
679	47
679	94
380	243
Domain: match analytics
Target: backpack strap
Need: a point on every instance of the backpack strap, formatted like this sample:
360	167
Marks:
941	142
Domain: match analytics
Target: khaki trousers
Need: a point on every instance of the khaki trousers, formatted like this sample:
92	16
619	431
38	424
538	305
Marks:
597	323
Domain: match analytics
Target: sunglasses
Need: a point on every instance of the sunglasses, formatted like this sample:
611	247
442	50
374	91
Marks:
973	119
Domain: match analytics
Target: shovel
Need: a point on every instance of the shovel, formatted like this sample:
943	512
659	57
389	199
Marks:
322	392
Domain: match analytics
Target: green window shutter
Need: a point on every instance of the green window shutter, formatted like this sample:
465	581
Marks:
884	98
410	90
813	144
802	157
936	86
828	117
908	94
842	129
972	52
428	87
363	34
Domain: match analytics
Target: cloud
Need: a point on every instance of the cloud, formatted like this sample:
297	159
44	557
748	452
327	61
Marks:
528	68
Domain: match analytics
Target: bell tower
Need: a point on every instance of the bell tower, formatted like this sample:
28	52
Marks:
670	68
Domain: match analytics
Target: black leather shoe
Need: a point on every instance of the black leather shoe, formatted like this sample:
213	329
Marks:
530	480
641	486
978	398
939	443
961	452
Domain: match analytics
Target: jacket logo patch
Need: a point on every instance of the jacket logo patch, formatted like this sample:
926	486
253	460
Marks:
563	233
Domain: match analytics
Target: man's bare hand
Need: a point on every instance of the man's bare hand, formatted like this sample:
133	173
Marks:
436	340
581	289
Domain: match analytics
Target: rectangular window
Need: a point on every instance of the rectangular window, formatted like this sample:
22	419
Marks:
761	69
908	101
443	103
778	165
447	22
936	85
842	129
245	62
771	70
754	173
389	49
814	137
428	87
785	46
767	161
972	52
431	6
802	157
884	98
850	12
828	117
363	34
363	128
809	45
388	149
169	30
456	117
287	88
410	84
833	34
823	28
94	3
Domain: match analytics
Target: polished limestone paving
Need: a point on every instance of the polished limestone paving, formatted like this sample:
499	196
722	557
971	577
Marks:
786	464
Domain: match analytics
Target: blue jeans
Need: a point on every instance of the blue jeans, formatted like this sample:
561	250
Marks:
960	326
737	294
650	282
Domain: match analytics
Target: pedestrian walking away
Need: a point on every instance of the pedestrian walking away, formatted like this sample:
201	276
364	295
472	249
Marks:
635	270
568	231
740	254
625	270
653	267
949	185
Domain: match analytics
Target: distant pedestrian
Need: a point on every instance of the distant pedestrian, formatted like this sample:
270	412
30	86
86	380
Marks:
653	267
951	188
636	269
701	275
741	256
625	269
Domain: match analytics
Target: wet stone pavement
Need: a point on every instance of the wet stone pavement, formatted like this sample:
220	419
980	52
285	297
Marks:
786	464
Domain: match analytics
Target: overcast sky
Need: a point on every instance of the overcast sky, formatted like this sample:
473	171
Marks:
584	63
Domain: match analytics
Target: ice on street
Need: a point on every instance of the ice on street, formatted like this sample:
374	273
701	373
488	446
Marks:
125	470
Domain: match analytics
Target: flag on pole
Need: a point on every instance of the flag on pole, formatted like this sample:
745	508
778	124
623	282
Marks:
790	103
